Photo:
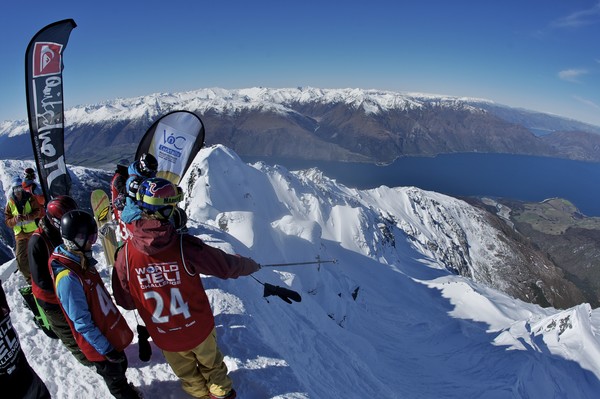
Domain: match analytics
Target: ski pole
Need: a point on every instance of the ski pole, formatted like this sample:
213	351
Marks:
317	262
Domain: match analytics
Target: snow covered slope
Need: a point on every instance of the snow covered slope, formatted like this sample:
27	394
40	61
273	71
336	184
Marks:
388	320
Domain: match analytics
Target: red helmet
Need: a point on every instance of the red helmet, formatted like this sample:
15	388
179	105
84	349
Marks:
57	207
157	195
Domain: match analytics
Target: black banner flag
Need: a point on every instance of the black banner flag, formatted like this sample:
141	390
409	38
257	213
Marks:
45	107
174	140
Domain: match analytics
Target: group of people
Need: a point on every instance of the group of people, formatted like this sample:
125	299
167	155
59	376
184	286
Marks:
156	273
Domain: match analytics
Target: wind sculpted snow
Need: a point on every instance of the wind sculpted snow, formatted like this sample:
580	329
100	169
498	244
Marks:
389	320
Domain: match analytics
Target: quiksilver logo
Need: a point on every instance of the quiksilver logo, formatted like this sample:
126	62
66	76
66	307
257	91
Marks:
46	59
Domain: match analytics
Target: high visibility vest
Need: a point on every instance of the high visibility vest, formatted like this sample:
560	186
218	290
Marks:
25	226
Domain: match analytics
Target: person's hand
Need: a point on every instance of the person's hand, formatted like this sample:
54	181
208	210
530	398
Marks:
255	265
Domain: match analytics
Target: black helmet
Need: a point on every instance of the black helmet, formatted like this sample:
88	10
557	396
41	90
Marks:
29	174
78	228
58	207
148	165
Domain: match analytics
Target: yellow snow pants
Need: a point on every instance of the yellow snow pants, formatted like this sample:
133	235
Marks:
201	369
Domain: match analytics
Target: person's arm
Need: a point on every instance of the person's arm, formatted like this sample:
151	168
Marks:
204	259
9	219
72	297
37	253
120	282
131	212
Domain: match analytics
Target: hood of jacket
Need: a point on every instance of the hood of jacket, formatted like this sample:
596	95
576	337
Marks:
151	236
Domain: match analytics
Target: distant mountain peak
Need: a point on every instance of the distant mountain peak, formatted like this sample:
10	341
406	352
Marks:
349	124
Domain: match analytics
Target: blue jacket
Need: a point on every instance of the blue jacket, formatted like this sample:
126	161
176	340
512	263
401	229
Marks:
133	170
135	175
72	298
131	211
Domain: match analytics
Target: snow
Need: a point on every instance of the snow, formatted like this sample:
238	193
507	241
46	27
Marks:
388	320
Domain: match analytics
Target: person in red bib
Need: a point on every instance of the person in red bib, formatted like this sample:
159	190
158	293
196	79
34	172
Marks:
159	270
40	247
99	328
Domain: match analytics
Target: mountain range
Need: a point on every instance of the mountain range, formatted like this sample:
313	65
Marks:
416	305
319	124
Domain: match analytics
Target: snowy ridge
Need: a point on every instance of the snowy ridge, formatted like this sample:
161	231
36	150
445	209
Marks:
456	235
225	101
388	320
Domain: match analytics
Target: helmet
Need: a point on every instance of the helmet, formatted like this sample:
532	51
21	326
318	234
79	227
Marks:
16	182
78	228
29	174
148	165
158	195
17	185
57	207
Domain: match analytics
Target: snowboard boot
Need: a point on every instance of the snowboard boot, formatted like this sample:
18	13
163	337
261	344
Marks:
145	350
230	395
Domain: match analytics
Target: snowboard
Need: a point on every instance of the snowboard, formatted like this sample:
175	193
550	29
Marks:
106	227
7	269
39	317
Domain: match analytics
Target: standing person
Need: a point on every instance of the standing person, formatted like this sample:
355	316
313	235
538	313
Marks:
97	325
124	188
159	269
144	168
41	245
118	191
20	214
32	187
17	378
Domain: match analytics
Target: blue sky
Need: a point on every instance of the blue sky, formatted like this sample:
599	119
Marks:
542	55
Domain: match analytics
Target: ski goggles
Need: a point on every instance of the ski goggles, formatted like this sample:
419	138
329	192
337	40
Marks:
166	211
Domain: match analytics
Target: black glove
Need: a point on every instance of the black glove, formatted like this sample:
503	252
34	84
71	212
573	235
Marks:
145	350
282	293
115	356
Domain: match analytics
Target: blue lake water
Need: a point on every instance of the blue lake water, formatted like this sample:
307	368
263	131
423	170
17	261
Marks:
519	177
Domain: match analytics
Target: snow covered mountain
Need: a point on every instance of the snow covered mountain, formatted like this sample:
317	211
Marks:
320	124
388	320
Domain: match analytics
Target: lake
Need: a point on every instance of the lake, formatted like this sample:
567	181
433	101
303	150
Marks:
520	177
